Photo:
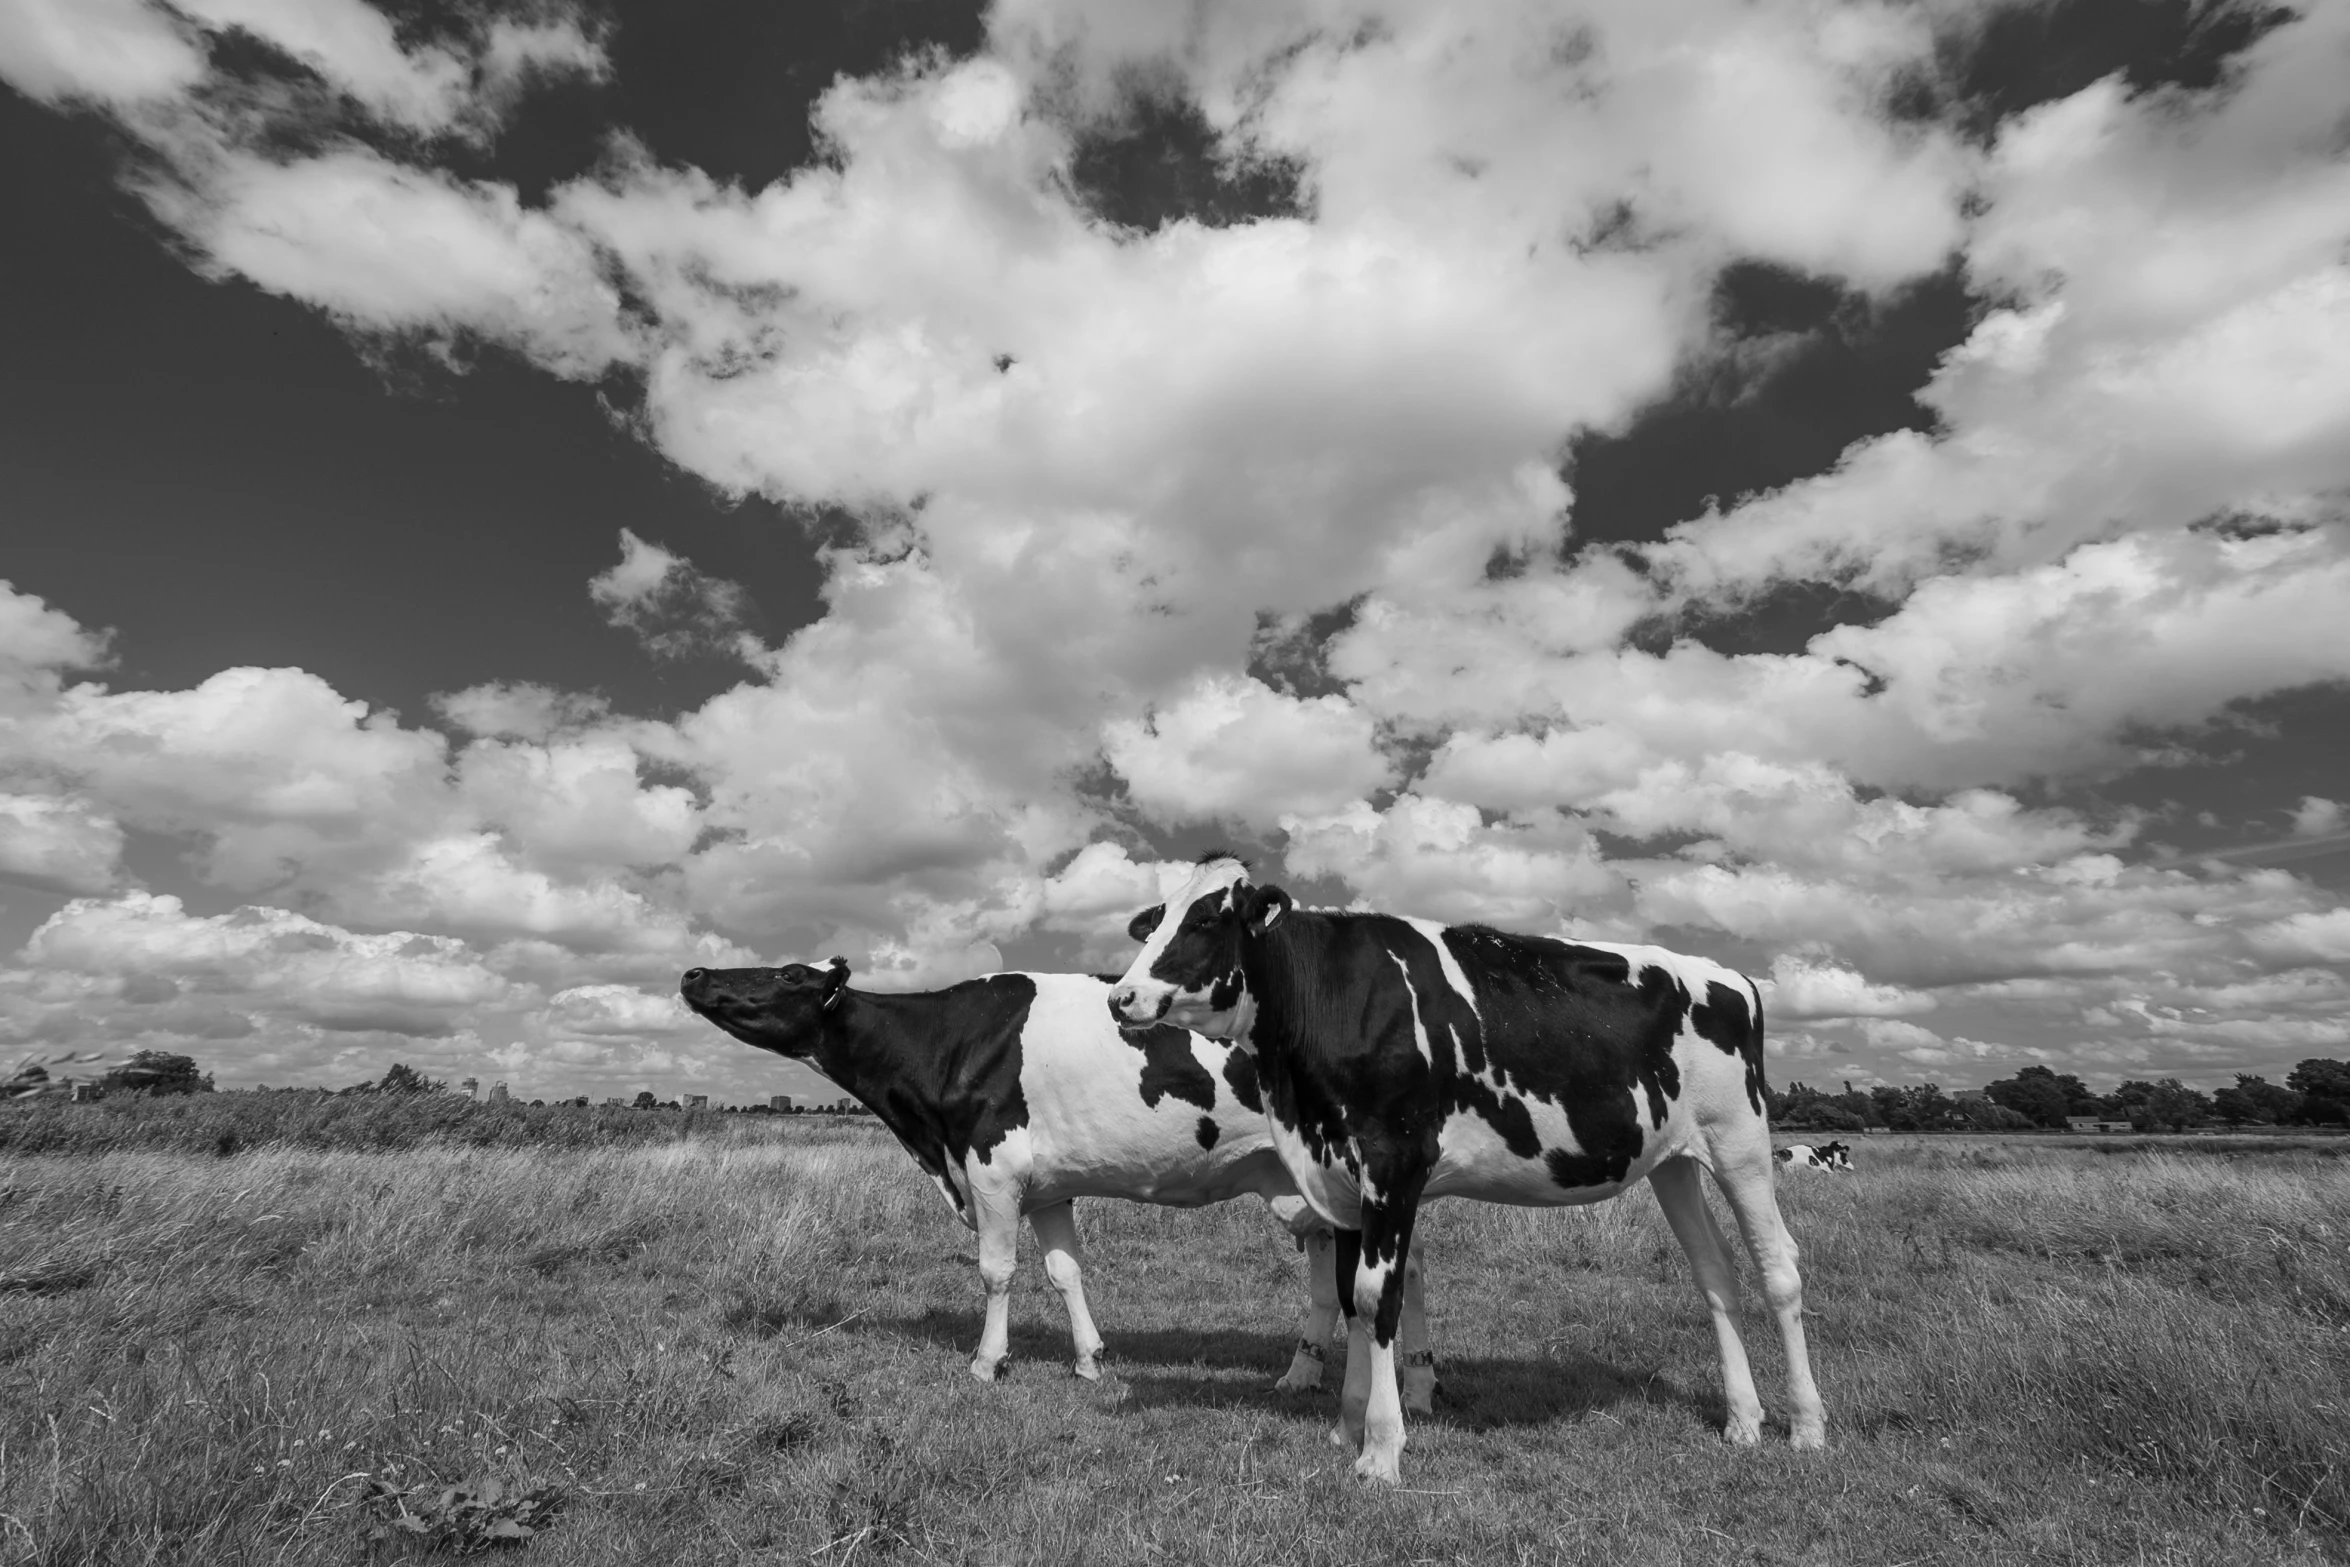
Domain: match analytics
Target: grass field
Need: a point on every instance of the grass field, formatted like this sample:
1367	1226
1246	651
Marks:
749	1346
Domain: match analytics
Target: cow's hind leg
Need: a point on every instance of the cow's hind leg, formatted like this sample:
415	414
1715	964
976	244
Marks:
1745	1180
1683	1200
996	1215
1321	1313
1056	1232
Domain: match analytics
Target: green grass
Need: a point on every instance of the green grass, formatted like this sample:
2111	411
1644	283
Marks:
751	1348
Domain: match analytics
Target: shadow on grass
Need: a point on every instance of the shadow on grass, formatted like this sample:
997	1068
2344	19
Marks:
1232	1368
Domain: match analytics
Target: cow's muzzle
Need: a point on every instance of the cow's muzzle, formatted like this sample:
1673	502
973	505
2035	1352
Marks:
1129	1010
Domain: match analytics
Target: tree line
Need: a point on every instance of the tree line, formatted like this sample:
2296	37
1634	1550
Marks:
2314	1093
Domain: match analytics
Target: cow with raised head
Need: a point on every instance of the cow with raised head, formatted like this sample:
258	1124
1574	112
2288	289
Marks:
1401	1060
1827	1156
1016	1093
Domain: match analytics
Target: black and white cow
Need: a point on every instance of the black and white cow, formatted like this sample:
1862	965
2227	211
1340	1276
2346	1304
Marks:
1017	1093
1401	1060
1827	1156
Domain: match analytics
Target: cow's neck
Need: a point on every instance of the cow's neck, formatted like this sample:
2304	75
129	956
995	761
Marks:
868	1045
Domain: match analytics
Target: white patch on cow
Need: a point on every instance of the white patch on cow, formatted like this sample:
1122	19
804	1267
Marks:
1451	965
1419	1024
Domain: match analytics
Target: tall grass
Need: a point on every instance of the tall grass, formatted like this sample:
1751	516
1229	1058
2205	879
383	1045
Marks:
734	1349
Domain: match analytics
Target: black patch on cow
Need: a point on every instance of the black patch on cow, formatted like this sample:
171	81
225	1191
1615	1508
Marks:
1783	1155
1208	1131
1169	1067
941	1068
1736	1029
1240	1075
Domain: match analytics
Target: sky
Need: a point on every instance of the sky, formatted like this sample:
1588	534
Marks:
502	503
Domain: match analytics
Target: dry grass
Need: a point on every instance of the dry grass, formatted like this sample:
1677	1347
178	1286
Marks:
742	1350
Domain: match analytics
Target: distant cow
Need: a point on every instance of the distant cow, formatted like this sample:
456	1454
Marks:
1016	1093
1402	1059
1828	1156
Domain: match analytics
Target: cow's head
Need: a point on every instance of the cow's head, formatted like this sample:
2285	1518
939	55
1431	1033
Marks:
1188	972
1835	1156
778	1009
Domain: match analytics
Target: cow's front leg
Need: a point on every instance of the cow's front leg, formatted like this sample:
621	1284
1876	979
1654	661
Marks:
1056	1231
1378	1299
1321	1314
1418	1373
996	1215
1354	1395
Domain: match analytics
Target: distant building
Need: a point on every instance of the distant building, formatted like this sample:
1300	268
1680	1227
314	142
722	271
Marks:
470	1085
498	1094
84	1093
697	1101
615	1104
779	1103
2094	1123
1971	1096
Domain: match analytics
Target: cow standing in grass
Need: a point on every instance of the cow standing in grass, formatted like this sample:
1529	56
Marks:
1401	1060
1016	1093
1827	1156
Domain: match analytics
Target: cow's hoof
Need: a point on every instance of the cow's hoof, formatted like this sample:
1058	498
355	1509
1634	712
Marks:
1295	1381
1344	1439
1089	1368
1808	1439
1419	1396
1743	1433
1378	1469
989	1370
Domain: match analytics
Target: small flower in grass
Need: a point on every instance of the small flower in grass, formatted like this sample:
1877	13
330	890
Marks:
499	1450
285	1463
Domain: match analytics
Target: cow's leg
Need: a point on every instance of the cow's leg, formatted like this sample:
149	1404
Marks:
1354	1395
1056	1232
1378	1298
1418	1373
1744	1175
1321	1313
996	1215
1683	1199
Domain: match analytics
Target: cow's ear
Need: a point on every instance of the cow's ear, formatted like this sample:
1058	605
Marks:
1140	927
836	982
1264	905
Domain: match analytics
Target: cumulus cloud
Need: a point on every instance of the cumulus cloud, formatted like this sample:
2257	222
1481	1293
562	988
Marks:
1090	466
1237	750
671	607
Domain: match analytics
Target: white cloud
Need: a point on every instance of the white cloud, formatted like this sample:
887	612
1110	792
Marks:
1237	750
121	52
1823	990
2316	816
61	843
672	608
276	961
1089	464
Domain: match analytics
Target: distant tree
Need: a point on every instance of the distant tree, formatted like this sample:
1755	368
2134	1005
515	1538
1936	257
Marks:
643	1100
2150	1107
1805	1109
1989	1115
1924	1108
2256	1100
2324	1087
2042	1096
404	1079
158	1072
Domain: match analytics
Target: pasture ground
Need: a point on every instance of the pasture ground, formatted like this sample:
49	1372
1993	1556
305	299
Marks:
750	1347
